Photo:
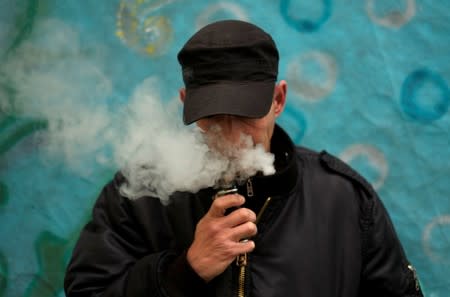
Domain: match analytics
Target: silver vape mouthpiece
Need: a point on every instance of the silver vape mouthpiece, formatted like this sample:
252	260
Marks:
226	192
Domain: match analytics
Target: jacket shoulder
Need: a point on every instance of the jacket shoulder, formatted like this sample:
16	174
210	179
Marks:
334	165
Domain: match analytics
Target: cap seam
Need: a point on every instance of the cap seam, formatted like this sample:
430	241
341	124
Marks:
231	44
235	61
231	82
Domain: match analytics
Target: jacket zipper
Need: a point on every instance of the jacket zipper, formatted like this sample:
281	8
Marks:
241	262
242	259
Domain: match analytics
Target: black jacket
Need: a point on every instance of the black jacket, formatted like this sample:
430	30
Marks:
324	233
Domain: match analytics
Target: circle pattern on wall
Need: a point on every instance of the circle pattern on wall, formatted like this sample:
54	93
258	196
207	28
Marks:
374	157
393	19
312	75
141	27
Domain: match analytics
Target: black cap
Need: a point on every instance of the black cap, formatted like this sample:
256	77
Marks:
229	67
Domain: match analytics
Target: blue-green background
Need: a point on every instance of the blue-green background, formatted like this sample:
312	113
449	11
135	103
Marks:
373	88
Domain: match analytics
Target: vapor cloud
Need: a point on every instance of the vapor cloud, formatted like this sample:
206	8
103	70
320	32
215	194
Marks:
53	78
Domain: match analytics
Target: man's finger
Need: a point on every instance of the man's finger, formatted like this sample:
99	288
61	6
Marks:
243	247
240	216
244	231
221	204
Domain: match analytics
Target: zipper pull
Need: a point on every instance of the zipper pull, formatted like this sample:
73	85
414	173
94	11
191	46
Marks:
241	260
249	188
410	267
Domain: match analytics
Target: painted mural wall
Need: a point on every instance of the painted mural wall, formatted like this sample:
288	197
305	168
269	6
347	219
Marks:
368	81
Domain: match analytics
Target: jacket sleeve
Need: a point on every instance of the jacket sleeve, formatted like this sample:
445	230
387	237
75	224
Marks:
113	258
386	269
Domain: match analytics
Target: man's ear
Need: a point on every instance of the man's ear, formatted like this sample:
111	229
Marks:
279	99
182	93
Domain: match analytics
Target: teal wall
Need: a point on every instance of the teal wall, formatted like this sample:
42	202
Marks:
368	81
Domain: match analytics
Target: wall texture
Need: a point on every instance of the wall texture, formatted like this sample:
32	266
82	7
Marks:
368	81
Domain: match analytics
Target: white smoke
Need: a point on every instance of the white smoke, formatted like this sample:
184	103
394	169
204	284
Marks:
161	156
54	79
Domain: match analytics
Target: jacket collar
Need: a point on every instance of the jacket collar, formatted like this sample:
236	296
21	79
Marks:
259	187
285	177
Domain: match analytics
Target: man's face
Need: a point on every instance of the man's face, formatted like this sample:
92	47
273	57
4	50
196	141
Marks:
231	130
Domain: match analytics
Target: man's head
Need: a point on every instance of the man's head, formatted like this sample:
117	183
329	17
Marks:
230	70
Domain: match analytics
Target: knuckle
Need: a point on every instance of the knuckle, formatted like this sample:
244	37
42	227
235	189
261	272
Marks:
251	216
246	214
251	228
218	203
214	229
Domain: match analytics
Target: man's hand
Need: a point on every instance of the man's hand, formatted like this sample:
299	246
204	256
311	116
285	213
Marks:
217	237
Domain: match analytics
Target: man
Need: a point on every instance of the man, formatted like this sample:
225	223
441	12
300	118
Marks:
313	228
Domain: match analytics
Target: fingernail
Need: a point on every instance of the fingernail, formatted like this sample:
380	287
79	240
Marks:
241	199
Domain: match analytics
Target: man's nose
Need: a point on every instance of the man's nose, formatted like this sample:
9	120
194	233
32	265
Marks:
229	127
226	122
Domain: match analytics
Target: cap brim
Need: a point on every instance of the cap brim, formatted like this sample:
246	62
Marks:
249	99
